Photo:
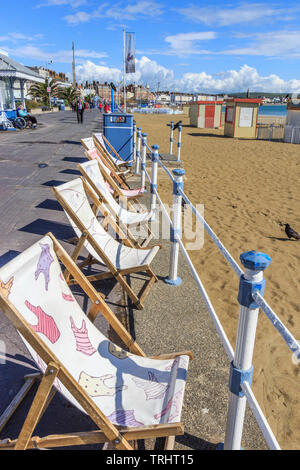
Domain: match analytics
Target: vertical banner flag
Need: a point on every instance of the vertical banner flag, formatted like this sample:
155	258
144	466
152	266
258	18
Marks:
130	53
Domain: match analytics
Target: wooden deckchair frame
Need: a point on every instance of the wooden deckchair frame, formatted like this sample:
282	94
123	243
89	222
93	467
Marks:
104	150
107	432
119	275
102	199
117	190
120	177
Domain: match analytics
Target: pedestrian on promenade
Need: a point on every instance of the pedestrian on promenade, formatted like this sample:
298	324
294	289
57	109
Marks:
80	110
100	106
106	108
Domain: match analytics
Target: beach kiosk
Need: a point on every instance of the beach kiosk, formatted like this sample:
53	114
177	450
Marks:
241	117
292	122
206	114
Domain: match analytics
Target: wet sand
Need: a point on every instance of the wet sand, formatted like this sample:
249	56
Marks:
248	188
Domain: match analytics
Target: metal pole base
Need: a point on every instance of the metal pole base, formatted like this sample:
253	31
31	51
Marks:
173	282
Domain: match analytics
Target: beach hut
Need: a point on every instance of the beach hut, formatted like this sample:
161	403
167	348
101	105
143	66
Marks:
292	123
206	114
241	117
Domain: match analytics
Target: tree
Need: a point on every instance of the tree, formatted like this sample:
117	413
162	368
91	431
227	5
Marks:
39	90
67	94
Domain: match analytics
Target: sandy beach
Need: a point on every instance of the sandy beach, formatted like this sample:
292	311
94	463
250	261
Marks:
248	187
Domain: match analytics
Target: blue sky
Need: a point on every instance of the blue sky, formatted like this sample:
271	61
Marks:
185	46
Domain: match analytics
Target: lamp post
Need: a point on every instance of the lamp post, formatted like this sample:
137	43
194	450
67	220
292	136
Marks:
49	88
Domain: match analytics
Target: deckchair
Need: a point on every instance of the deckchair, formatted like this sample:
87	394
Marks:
93	152
125	218
89	144
119	258
102	143
119	185
108	151
127	395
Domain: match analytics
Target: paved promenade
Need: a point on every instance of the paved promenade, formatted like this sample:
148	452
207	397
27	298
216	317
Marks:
174	318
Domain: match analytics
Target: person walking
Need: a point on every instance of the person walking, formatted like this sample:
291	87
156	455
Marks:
100	106
106	108
79	110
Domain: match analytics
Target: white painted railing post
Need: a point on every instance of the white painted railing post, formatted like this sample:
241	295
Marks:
144	157
179	142
153	185
175	231
134	141
171	137
241	367
138	151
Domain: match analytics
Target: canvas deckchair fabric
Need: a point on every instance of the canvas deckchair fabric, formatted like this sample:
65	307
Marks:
100	140
93	152
89	144
118	185
92	174
113	386
120	259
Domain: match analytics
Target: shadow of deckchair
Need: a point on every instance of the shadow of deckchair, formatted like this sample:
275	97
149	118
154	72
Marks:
75	159
53	183
8	256
50	204
62	232
70	351
71	172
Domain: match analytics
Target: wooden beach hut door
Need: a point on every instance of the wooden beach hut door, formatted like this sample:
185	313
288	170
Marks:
209	116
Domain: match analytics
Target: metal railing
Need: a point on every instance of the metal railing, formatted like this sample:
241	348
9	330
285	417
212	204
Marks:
250	297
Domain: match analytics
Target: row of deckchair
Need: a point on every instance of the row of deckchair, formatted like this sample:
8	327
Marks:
128	396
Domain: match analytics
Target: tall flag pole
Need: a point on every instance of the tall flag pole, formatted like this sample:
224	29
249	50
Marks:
124	70
73	66
129	58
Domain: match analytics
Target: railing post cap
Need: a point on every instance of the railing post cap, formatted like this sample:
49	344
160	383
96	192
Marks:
178	172
139	128
144	134
155	147
255	260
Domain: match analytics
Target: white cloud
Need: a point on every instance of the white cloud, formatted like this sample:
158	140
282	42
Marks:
79	17
55	3
151	73
187	43
15	37
242	13
119	12
130	12
64	56
271	44
234	81
148	72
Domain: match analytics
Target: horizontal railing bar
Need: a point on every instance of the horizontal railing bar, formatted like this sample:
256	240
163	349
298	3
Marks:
214	316
277	323
213	236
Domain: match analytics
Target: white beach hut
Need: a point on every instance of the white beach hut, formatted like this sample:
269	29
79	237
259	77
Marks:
292	123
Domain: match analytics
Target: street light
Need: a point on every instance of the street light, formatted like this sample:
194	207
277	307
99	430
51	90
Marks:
49	88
